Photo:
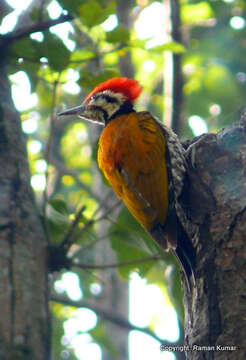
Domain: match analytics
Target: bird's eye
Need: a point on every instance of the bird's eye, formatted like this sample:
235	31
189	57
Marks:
92	98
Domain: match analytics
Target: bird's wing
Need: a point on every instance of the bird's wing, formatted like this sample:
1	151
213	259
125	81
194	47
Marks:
132	153
146	167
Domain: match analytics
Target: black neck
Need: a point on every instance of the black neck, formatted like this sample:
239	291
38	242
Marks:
125	108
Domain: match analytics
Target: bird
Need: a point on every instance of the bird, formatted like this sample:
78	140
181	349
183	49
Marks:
143	161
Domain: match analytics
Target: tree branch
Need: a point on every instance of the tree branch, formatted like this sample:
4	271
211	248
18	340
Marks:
67	239
115	265
47	156
107	315
94	221
27	30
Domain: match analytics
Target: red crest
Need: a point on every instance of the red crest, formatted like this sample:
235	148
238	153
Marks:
128	87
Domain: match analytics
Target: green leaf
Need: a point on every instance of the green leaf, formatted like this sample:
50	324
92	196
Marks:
175	292
172	46
26	48
51	47
58	219
137	43
56	52
82	55
89	80
94	13
57	329
34	14
59	205
193	13
101	336
72	6
119	34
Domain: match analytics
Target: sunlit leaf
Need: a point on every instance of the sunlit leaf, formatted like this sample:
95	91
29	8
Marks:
193	13
137	43
172	46
82	55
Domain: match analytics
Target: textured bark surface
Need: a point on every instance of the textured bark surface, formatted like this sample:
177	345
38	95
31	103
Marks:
24	329
215	313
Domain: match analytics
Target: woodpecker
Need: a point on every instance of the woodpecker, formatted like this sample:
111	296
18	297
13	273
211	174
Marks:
144	163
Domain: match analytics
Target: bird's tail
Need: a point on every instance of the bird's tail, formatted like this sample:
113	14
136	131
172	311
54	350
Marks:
187	264
172	236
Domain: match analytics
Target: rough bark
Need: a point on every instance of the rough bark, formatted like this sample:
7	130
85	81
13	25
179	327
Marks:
24	325
215	311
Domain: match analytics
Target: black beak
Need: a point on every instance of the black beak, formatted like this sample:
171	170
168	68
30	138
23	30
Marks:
73	111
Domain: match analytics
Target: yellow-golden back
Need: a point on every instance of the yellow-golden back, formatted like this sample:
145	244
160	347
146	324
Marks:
132	157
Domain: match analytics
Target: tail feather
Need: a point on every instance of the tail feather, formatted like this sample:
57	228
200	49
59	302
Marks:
172	236
187	266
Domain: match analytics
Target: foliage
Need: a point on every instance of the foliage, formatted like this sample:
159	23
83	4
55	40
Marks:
214	89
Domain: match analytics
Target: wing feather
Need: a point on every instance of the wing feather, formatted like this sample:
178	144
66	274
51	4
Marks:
134	165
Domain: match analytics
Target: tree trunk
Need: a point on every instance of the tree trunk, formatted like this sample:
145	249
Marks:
24	320
173	77
215	311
